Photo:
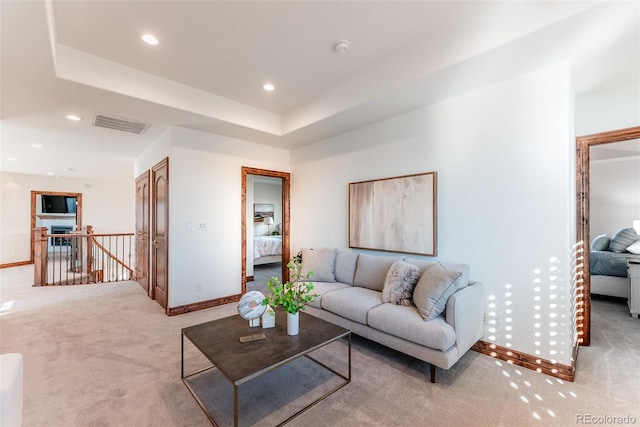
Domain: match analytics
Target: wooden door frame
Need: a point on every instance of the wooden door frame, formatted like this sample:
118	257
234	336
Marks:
144	177
34	194
583	292
154	194
286	217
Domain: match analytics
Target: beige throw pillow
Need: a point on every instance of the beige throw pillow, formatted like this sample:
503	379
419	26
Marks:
433	290
321	262
399	283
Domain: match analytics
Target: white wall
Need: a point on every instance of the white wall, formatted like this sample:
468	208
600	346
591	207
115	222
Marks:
205	187
615	194
614	184
610	109
106	205
157	151
505	161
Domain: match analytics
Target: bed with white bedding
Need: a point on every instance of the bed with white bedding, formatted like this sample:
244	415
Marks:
609	273
608	260
267	249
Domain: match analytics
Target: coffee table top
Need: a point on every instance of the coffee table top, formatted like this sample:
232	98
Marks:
219	341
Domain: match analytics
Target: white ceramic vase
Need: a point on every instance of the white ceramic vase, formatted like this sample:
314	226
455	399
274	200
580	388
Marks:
293	323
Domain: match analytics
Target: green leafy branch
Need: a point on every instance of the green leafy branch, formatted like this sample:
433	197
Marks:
294	294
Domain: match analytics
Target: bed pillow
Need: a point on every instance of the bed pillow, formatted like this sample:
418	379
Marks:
321	262
622	240
399	283
634	248
433	290
600	243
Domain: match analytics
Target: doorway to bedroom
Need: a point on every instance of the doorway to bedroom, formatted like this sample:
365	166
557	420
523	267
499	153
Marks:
265	227
596	152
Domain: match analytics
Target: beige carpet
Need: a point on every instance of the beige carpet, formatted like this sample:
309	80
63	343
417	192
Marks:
106	355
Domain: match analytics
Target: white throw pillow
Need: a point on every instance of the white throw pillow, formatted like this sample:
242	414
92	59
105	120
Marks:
433	290
634	248
399	283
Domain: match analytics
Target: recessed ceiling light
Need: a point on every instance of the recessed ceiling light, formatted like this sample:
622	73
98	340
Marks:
36	145
268	87
149	39
73	117
12	159
50	173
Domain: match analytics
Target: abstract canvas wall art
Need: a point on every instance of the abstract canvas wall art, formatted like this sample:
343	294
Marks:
394	214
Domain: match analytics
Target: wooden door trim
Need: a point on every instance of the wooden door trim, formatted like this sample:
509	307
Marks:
34	194
286	216
583	239
144	178
163	163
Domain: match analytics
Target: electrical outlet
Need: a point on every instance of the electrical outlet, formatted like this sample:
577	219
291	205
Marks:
202	226
199	286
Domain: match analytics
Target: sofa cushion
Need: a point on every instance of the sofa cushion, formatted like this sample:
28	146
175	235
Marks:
399	283
405	322
321	262
433	289
462	268
600	243
321	288
622	239
352	302
371	271
346	262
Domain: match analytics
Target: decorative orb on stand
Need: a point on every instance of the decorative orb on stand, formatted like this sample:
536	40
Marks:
250	308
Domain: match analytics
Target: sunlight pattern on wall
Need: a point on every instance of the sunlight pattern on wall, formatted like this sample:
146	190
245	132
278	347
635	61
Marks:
534	318
578	292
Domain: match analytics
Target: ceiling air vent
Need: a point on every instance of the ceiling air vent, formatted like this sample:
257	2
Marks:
118	123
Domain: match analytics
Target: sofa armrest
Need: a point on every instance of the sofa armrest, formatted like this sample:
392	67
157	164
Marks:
465	313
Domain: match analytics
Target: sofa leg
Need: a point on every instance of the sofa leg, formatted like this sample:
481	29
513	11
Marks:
434	370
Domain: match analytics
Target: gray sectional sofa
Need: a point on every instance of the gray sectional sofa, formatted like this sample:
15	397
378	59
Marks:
350	288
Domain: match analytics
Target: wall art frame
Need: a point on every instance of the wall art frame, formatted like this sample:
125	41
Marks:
262	211
397	214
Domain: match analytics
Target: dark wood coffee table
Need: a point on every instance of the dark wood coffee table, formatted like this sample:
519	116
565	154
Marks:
239	363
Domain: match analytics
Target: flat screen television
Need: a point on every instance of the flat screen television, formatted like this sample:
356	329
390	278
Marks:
58	204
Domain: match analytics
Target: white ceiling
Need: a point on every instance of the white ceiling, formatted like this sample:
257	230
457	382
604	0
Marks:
207	72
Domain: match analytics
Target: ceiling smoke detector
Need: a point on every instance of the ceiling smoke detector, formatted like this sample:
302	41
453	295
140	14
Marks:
342	46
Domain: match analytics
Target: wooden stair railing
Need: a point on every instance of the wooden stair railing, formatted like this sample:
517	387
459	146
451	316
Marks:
82	257
110	255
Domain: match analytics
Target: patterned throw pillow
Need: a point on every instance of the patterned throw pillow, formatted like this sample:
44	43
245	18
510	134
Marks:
399	283
622	240
600	243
